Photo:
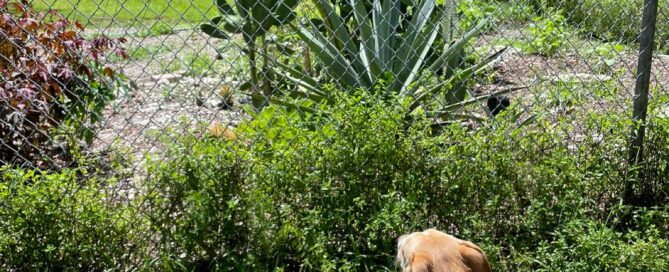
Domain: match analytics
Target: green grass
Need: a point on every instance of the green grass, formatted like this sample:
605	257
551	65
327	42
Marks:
99	13
157	29
198	64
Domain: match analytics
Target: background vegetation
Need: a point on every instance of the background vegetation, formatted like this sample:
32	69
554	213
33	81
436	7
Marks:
327	179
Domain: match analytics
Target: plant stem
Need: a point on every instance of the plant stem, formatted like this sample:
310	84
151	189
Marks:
266	72
251	54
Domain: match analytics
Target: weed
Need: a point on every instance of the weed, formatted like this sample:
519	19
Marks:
605	56
197	64
549	34
170	66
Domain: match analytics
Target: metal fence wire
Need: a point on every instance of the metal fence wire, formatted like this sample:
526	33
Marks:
155	135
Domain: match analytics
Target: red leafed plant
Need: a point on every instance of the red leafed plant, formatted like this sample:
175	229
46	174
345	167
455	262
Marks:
51	79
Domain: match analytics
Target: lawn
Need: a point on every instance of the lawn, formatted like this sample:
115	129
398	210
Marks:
99	13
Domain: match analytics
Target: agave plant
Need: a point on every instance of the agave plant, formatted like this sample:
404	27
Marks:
373	49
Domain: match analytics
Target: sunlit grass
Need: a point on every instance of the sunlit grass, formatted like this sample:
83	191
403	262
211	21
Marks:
103	14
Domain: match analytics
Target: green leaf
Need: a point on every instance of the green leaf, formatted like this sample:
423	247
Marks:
342	36
244	7
416	46
231	24
386	20
213	31
333	60
456	49
368	54
262	16
301	76
414	62
245	86
284	11
224	8
415	28
454	80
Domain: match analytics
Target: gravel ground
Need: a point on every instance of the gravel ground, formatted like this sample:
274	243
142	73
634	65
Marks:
161	100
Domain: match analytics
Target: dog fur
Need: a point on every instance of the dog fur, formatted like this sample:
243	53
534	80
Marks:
436	251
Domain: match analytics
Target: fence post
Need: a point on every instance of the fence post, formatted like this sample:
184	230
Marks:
646	44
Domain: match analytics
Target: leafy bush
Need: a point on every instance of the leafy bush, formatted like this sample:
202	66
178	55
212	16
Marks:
591	246
604	57
333	192
474	11
655	170
200	209
327	192
51	222
50	77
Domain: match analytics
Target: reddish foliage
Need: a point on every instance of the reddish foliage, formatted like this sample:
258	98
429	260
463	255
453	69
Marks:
47	69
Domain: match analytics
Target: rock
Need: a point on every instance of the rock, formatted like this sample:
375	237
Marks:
168	78
189	81
213	102
211	81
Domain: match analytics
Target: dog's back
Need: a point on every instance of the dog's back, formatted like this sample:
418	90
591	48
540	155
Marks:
435	251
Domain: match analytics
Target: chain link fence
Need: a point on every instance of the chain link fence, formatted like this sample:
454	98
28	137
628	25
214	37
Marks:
309	135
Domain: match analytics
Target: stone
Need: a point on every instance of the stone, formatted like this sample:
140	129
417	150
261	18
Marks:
169	78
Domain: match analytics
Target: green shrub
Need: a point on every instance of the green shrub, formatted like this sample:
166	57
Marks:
474	11
201	210
311	192
52	222
655	169
592	246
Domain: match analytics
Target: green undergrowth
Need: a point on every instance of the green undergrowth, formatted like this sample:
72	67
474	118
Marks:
298	191
334	193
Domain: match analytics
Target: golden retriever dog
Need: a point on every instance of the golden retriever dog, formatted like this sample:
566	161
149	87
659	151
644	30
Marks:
435	251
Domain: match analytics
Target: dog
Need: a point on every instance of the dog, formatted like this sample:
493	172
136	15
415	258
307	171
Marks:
436	251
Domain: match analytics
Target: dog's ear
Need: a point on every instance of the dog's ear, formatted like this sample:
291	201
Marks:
473	257
420	263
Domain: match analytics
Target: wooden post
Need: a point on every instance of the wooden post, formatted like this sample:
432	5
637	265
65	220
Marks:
646	45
